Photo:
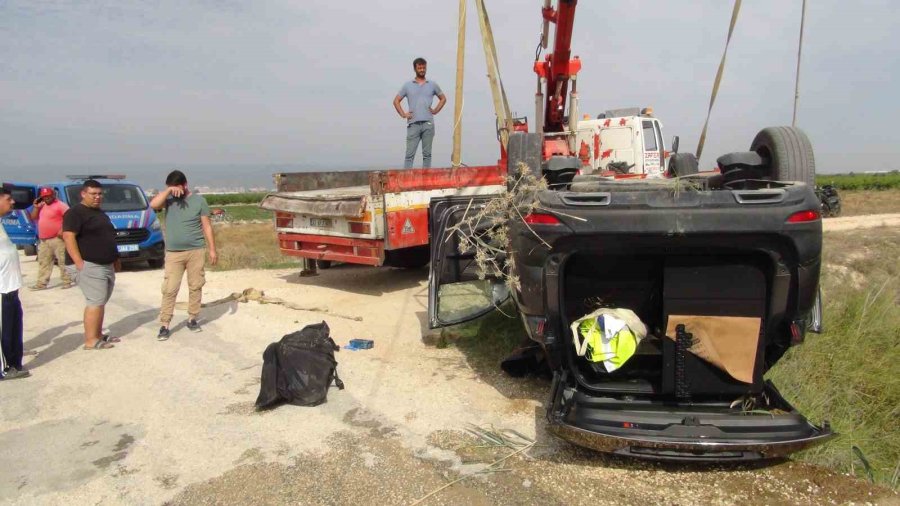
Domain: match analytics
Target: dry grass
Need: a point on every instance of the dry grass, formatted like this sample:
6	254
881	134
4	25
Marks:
850	374
859	202
250	246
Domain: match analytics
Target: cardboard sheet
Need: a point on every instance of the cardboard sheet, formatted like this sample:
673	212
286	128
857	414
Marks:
728	342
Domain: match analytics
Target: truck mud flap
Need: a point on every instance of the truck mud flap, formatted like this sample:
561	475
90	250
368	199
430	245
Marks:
659	431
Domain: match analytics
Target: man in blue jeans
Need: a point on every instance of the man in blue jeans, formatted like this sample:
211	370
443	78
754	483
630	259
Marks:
419	94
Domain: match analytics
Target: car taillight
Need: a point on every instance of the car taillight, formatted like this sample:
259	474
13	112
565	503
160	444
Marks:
804	216
542	219
359	227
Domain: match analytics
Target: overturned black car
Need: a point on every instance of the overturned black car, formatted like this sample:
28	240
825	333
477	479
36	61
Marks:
721	268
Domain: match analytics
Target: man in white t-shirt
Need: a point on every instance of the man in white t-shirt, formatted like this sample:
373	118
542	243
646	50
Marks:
10	306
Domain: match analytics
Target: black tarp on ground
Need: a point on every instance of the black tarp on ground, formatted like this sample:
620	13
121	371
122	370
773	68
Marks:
299	369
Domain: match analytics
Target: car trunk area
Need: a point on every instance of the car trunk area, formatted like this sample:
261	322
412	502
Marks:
659	286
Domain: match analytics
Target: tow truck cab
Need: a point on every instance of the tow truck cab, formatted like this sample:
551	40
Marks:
625	141
138	233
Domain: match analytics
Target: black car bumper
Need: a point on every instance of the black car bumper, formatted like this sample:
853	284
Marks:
696	432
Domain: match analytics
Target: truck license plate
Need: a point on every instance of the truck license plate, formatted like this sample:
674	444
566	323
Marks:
320	222
125	248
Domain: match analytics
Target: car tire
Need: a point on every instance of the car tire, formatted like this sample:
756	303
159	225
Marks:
156	263
30	250
683	164
788	152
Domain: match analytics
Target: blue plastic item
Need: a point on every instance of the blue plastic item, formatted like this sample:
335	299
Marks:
360	344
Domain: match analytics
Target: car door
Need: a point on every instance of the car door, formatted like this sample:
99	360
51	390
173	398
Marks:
457	291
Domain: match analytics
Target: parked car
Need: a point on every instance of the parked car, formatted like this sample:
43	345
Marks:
734	246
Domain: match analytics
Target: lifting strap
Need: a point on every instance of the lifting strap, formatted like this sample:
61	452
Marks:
715	90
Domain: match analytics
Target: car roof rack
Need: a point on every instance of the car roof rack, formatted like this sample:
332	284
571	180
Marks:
82	177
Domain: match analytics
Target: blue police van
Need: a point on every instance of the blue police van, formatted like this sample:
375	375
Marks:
22	231
138	233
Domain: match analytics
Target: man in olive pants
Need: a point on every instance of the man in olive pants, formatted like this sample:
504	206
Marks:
189	237
48	212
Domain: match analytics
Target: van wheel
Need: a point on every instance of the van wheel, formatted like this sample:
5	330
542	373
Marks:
788	152
30	250
323	264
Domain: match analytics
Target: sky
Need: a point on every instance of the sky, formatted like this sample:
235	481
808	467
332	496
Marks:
270	85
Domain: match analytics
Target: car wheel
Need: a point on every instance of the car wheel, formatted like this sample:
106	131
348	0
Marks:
788	152
30	250
156	263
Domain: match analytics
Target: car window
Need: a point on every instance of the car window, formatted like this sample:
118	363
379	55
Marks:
649	136
116	197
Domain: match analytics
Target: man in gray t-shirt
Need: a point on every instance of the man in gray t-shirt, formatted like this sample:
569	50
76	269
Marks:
419	94
189	237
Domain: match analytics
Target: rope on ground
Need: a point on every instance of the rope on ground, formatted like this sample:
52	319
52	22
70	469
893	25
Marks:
252	294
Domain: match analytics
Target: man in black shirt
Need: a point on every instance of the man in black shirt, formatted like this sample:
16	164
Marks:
91	249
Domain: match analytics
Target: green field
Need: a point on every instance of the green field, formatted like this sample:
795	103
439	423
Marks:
222	199
851	181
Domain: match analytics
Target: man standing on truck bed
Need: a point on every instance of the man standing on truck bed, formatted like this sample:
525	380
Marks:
48	213
189	234
419	94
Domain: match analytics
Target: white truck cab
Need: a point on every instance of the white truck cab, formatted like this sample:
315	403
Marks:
625	141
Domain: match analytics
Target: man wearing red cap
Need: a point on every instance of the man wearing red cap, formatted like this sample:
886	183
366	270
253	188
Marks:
48	212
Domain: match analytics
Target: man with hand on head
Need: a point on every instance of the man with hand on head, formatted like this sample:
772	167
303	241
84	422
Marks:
189	237
48	212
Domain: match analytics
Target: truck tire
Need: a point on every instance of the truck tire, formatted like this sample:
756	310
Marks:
30	250
408	258
683	164
323	264
788	152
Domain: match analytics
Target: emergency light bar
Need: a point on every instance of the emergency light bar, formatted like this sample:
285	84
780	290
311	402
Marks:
78	177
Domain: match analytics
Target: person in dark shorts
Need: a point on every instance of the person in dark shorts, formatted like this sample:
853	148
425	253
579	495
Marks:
92	257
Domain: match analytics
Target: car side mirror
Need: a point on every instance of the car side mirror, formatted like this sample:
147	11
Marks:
675	141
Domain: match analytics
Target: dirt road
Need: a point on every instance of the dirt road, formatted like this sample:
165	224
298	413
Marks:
865	221
152	422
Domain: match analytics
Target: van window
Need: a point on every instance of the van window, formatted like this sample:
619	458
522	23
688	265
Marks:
649	136
116	197
616	138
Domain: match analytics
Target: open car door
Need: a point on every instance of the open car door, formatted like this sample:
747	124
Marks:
455	292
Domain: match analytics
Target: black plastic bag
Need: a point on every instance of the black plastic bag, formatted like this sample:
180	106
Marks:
299	369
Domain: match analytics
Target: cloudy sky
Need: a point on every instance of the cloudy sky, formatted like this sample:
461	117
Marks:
309	83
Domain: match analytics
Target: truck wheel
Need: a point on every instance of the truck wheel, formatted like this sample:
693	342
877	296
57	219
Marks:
788	153
30	250
683	164
408	258
323	264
